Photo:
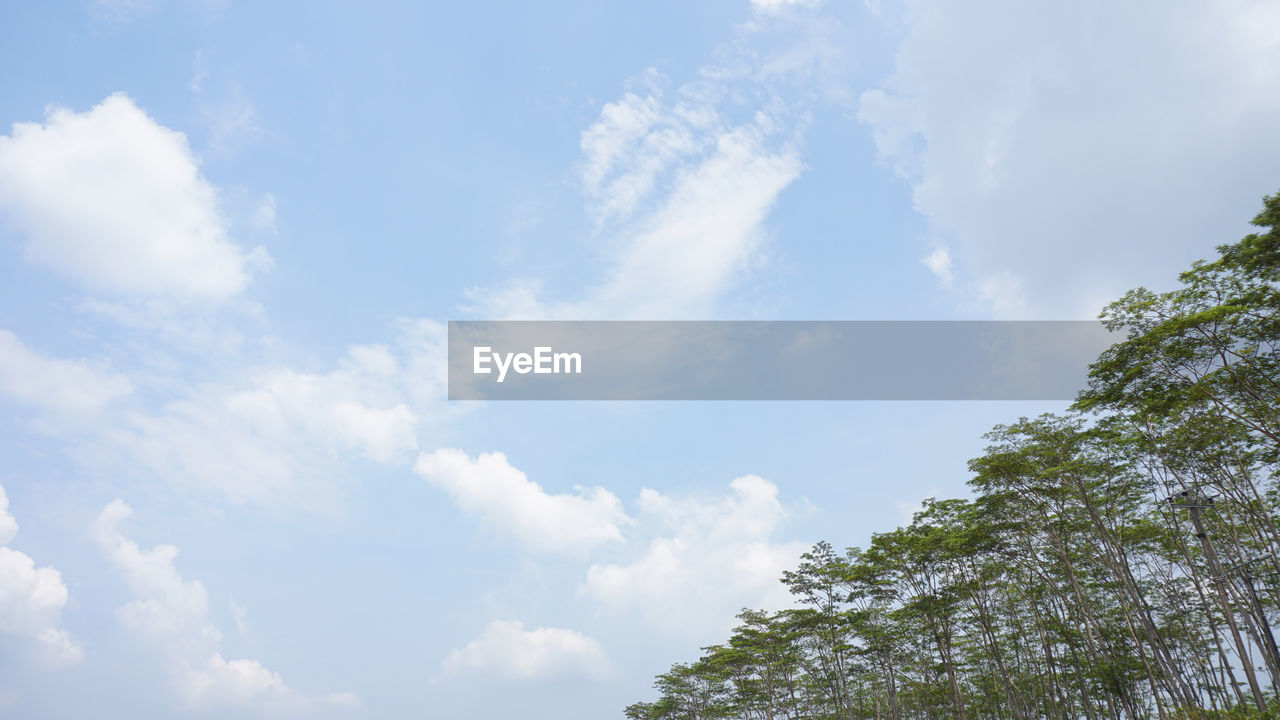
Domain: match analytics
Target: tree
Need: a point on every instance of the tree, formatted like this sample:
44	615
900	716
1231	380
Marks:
1068	586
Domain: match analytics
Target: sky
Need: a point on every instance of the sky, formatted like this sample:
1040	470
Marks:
232	234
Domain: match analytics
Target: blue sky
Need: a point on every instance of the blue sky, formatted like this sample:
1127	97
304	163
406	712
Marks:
231	234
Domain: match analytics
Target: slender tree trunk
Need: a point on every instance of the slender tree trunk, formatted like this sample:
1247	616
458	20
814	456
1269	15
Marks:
1212	556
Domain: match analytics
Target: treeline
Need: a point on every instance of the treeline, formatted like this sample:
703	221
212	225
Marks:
1119	561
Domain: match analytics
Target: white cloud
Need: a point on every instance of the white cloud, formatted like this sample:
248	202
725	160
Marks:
71	387
271	435
167	607
264	215
232	123
708	560
8	524
199	441
57	648
124	10
240	615
680	183
347	700
352	407
684	256
1066	154
165	329
424	346
679	188
698	560
773	6
31	603
32	599
116	201
283	435
172	614
507	649
229	117
635	139
235	682
512	504
939	263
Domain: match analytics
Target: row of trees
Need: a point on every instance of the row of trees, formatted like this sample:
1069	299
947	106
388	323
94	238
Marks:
1119	561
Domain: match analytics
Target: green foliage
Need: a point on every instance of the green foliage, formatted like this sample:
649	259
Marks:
1069	586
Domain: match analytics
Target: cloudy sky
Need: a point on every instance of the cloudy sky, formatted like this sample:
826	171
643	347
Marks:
231	234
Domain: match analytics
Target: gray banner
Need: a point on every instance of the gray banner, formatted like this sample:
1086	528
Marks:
772	360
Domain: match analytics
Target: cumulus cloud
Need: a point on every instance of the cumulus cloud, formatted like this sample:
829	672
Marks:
167	607
116	201
32	599
506	648
70	387
1066	154
512	504
708	559
172	614
688	563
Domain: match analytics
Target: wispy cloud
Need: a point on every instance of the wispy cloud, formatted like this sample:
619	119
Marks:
679	183
706	559
71	389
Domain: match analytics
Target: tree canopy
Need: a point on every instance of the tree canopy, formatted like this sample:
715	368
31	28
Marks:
1116	561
